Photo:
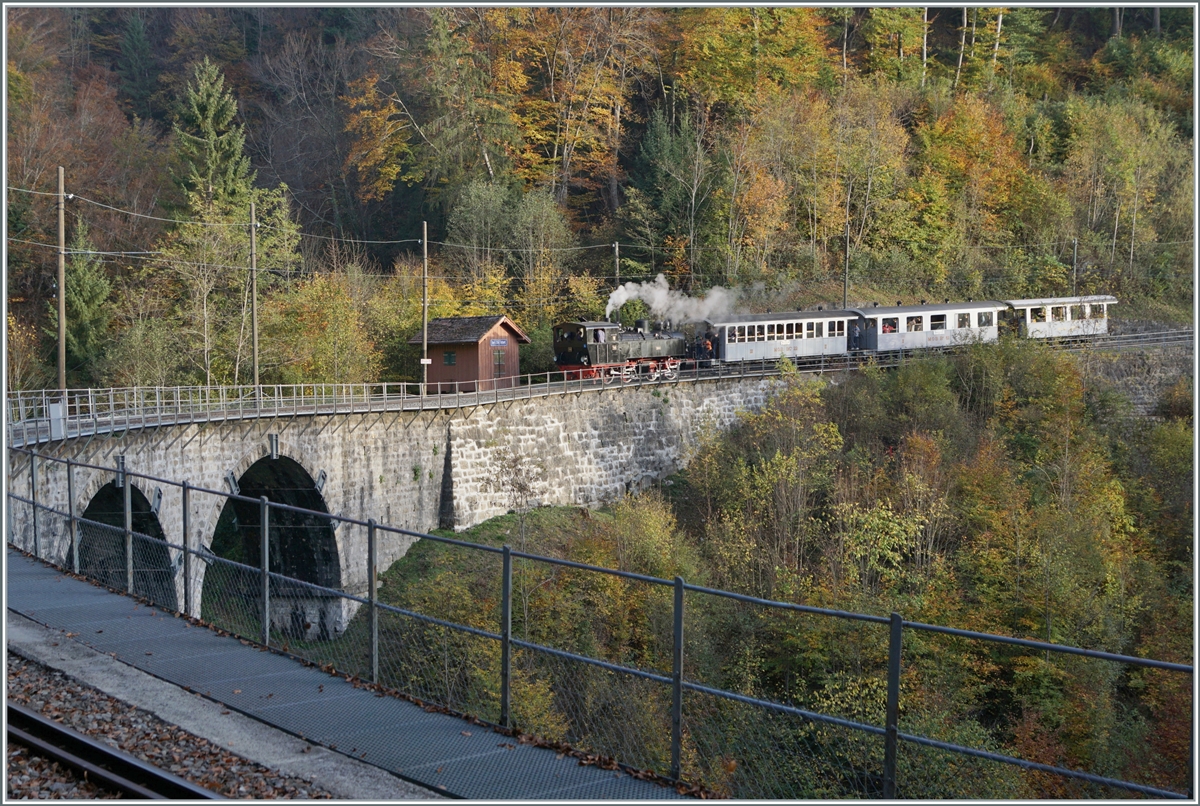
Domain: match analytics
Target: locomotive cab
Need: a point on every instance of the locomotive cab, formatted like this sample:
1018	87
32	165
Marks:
584	344
591	345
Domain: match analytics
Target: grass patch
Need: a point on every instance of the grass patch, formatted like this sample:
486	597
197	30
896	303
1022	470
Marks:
548	532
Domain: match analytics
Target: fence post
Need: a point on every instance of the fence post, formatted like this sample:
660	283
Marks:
264	555
187	553
72	526
505	639
677	685
893	708
372	561
33	495
127	489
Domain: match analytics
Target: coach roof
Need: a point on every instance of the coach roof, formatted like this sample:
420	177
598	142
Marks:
941	307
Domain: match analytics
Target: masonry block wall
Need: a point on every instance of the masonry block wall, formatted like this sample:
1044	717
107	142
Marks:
587	449
411	470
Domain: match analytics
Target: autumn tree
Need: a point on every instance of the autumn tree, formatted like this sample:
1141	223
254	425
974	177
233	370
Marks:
730	55
541	253
317	334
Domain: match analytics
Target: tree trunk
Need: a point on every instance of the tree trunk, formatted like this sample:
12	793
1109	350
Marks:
924	43
1116	223
996	47
1133	223
1116	23
1157	22
962	46
845	39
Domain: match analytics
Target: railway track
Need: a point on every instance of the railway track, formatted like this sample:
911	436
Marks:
100	763
90	413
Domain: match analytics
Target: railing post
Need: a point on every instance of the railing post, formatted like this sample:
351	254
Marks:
506	640
893	707
677	685
127	490
265	562
72	526
33	495
187	552
372	575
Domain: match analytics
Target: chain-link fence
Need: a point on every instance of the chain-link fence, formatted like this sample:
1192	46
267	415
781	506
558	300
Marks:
660	675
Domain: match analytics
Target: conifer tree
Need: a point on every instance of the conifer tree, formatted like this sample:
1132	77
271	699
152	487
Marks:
89	311
210	144
134	66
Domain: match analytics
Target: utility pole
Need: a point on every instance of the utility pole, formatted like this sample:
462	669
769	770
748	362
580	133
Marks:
254	294
62	286
617	261
424	305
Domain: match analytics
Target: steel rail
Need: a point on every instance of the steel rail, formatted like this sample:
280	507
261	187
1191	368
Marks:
100	763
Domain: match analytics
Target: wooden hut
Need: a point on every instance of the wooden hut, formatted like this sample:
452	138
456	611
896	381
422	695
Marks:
473	353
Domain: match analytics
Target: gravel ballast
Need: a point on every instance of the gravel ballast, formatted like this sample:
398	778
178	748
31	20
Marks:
157	720
135	731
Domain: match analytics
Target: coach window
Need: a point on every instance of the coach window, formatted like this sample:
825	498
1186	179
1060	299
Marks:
1037	314
1077	312
937	321
1097	311
964	320
890	324
741	333
790	330
985	319
915	324
762	333
449	358
1058	313
837	328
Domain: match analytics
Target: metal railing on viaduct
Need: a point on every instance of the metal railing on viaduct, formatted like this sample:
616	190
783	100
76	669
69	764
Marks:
47	415
666	707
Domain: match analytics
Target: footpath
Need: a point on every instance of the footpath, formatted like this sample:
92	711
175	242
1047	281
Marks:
386	744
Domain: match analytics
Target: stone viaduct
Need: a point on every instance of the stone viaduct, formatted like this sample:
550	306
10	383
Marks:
413	470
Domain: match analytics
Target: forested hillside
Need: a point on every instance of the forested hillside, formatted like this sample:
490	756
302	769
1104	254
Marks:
931	153
1004	489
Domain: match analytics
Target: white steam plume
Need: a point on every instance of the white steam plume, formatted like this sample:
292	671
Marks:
674	306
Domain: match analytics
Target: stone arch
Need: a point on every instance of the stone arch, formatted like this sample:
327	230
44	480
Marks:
302	546
102	553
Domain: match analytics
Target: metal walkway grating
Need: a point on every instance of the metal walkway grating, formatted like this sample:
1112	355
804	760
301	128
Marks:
441	752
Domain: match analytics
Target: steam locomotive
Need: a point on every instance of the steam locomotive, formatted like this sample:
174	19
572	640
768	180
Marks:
608	351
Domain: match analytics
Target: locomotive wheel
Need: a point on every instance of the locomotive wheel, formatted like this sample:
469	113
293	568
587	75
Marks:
607	375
